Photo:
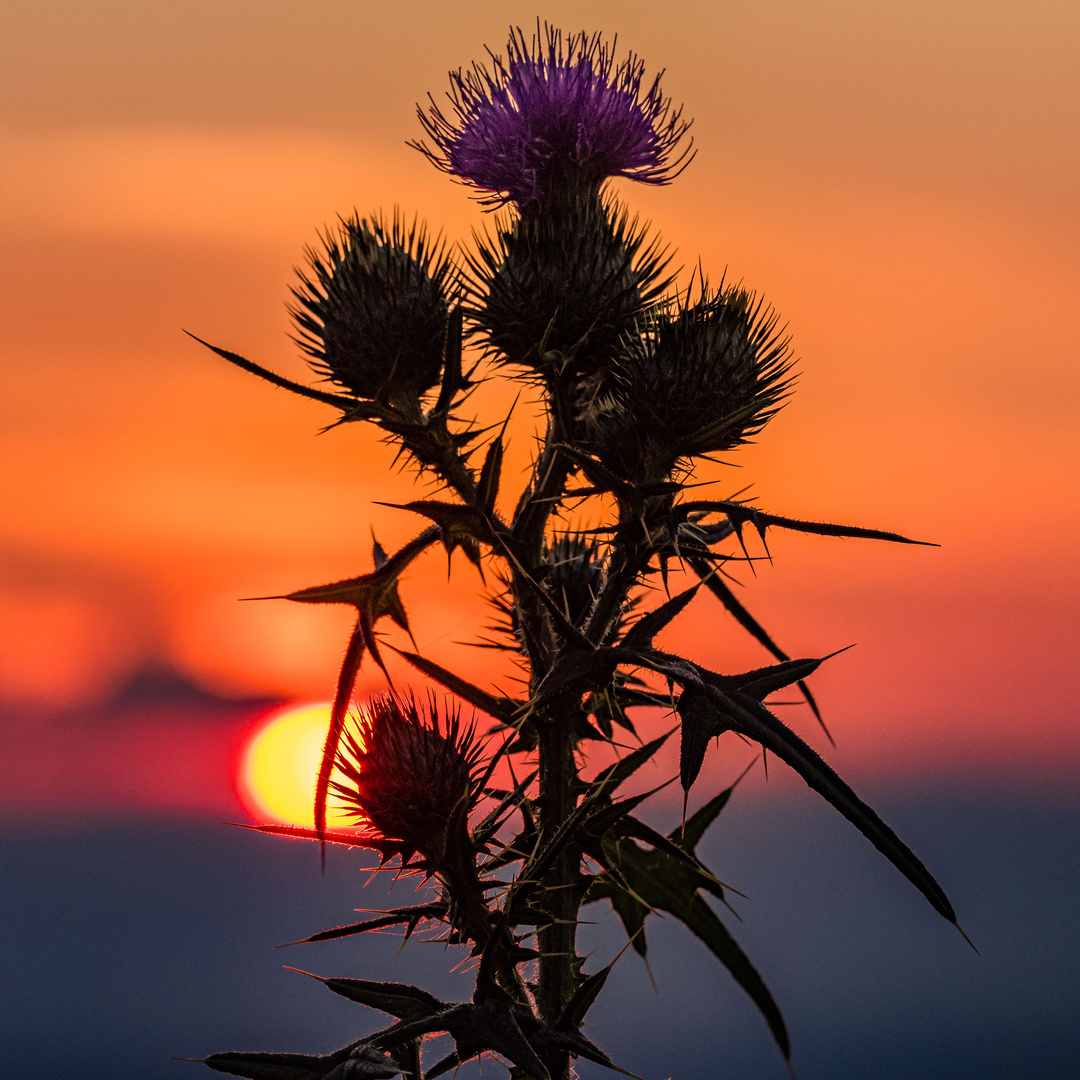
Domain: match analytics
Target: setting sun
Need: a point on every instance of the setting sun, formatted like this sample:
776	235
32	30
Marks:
279	764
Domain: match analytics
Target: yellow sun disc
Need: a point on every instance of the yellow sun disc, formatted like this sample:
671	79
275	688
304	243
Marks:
280	765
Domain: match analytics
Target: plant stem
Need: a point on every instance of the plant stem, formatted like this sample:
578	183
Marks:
558	941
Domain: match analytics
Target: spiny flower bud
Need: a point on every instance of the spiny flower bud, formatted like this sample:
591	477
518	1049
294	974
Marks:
558	292
702	378
410	775
576	577
372	311
573	572
554	121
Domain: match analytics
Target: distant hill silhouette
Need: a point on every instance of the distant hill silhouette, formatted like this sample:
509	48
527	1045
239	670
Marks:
158	684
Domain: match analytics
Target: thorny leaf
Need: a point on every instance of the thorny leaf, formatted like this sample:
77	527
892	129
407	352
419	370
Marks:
398	999
386	848
410	916
583	998
512	800
501	708
740	514
750	718
365	1063
747	621
579	1046
610	778
460	526
479	1026
756	722
493	1025
374	596
452	380
689	835
355	1062
258	1066
761	682
701	722
631	911
639	830
656	881
352	409
487	490
641	634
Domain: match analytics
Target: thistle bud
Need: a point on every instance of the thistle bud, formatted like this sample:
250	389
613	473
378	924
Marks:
576	577
557	292
701	378
574	573
410	776
372	310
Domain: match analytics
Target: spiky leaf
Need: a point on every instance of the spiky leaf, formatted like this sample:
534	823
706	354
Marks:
752	719
641	634
398	999
664	883
700	723
501	708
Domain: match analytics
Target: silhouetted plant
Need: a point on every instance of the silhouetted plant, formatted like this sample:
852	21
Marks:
570	295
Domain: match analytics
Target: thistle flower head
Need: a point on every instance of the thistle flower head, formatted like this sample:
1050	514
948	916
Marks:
701	378
574	571
577	575
411	776
558	292
372	309
554	116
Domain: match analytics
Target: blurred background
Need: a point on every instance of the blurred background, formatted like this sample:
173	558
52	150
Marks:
899	180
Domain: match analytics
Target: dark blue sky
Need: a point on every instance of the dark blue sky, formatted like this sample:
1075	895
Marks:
126	942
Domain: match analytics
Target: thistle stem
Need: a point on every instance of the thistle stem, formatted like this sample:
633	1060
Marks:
558	941
433	447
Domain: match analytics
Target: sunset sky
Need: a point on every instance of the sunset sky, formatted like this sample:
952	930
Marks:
900	181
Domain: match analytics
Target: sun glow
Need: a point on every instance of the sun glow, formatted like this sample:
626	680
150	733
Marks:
280	764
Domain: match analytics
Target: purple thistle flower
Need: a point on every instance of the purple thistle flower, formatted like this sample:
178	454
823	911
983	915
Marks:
552	119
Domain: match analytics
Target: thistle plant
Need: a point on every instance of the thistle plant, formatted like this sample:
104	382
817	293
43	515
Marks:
503	814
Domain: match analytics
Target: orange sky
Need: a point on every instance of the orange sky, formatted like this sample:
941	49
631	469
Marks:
900	182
